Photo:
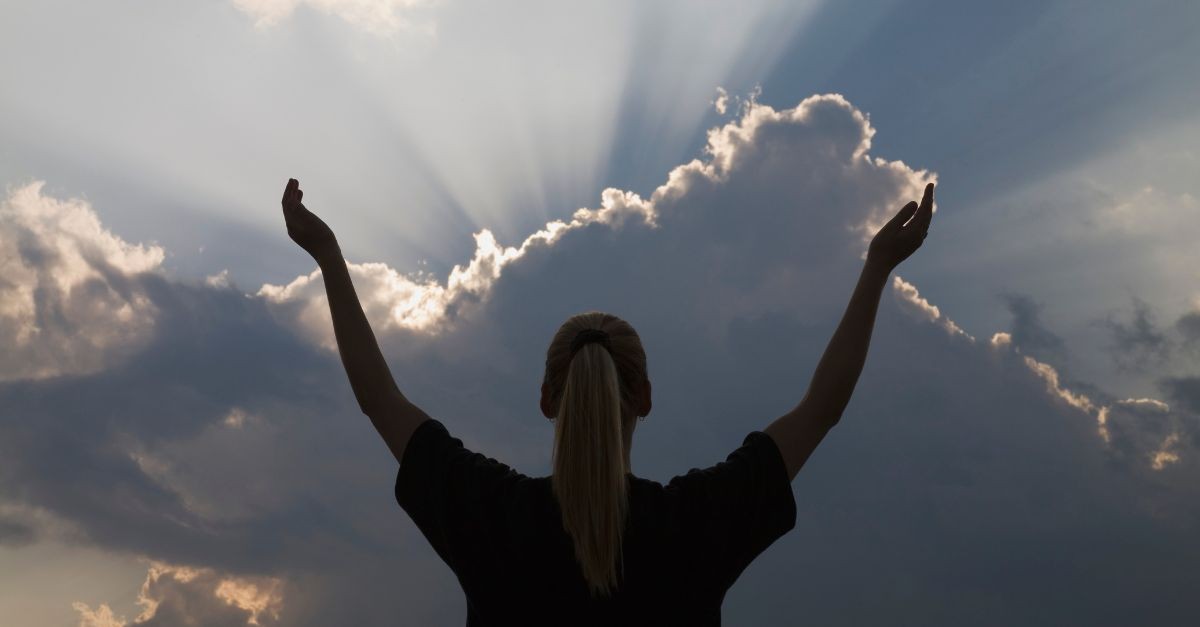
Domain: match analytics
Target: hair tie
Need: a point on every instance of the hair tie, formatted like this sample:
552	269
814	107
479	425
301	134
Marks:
588	336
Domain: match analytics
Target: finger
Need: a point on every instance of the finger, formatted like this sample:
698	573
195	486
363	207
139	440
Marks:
299	195
289	190
901	216
925	213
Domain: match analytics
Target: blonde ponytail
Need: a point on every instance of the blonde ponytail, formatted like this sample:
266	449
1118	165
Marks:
593	391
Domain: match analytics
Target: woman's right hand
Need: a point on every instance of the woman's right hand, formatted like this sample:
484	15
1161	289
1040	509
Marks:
897	240
304	227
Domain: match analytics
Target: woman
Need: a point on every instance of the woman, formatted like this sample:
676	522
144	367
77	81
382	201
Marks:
593	544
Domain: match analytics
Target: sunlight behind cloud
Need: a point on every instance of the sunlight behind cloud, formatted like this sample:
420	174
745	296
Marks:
509	118
511	113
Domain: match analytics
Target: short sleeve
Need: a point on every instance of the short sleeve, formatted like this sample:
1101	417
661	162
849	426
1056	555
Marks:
455	496
737	508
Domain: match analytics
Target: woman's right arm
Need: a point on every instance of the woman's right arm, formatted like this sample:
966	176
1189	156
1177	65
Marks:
798	432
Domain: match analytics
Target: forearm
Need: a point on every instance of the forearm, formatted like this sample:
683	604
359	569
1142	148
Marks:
838	371
366	368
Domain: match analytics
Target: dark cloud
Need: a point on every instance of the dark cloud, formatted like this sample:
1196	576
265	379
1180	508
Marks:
1028	330
15	533
960	486
1184	391
1138	343
1188	326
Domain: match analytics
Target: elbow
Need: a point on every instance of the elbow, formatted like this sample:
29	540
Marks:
814	414
374	406
825	416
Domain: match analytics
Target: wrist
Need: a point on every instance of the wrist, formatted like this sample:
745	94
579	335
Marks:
329	253
876	268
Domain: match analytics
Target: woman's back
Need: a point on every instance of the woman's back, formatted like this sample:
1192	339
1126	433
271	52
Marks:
679	547
685	543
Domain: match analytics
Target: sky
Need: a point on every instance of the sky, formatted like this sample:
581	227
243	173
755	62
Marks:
178	442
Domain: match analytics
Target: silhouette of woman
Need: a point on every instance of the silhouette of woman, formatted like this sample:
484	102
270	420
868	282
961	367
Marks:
593	544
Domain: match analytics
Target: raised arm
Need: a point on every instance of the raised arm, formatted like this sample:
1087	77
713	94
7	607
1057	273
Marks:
394	417
798	432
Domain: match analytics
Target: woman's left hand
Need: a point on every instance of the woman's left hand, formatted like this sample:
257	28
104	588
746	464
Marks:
896	241
304	227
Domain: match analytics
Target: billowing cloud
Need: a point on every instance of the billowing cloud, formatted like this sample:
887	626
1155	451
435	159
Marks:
796	158
67	301
102	616
419	302
178	595
244	452
721	102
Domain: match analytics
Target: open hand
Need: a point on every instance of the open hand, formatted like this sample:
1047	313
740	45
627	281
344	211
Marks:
897	240
303	226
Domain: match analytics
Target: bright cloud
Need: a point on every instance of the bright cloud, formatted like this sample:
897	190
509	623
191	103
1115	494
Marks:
67	301
1166	454
178	595
1050	376
907	293
824	139
102	616
239	457
418	302
1131	429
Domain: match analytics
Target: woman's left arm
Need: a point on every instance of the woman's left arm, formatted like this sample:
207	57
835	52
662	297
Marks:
394	417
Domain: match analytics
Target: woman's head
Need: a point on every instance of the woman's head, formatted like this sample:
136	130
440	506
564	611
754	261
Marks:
624	347
595	386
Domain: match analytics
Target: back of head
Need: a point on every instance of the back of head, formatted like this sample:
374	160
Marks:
591	381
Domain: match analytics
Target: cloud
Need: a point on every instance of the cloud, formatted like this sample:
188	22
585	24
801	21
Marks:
243	451
102	616
23	524
418	302
1184	390
1139	343
380	17
1050	376
721	102
178	595
1188	325
1028	331
68	304
907	293
1138	433
15	533
814	152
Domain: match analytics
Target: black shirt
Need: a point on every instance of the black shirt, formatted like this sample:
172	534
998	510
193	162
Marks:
685	543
